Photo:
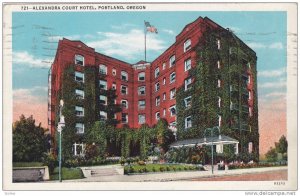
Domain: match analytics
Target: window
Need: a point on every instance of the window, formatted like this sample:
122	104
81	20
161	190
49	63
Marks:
124	103
124	76
103	116
114	72
164	81
156	74
250	147
219	44
187	64
142	104
219	65
164	96
188	122
79	111
219	148
249	65
103	99
124	118
157	101
188	101
157	86
219	120
164	112
249	79
78	149
187	83
103	69
172	77
219	102
172	110
187	45
219	83
103	84
142	76
124	90
250	97
172	93
79	77
164	66
172	61
250	111
79	93
142	90
114	86
157	116
79	127
142	118
79	60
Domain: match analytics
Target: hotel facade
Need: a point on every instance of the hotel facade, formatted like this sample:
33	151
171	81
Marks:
206	78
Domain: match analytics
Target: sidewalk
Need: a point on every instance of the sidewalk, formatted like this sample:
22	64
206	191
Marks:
174	176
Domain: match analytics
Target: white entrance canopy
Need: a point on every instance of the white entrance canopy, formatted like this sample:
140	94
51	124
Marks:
218	140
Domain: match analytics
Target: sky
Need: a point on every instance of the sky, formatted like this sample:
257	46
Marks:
120	34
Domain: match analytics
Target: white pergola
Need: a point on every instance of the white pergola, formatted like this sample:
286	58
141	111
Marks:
218	141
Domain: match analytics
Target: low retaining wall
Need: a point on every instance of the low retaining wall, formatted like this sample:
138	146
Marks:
30	174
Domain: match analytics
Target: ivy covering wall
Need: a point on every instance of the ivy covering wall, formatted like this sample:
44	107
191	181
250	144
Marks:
233	56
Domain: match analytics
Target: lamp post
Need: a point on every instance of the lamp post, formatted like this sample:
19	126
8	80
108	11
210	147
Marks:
60	126
212	146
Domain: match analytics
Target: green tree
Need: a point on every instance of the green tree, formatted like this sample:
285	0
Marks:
29	141
271	155
164	136
282	145
97	136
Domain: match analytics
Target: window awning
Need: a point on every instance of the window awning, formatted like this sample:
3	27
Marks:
221	139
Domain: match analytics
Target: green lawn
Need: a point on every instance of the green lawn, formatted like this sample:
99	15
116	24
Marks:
67	174
27	164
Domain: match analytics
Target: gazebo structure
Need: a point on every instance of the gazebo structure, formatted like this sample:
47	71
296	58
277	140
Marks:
218	141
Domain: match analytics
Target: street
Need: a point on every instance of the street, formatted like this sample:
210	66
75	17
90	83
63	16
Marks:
262	176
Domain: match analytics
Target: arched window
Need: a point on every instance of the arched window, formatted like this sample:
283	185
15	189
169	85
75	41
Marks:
124	76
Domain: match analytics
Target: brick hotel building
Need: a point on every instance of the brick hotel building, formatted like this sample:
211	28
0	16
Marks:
147	91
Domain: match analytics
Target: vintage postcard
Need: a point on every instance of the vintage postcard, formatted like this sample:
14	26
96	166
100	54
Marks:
150	96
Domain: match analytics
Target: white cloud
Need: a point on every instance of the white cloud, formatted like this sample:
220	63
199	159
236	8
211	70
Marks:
235	29
280	84
24	58
272	73
168	31
276	45
55	38
256	45
123	26
36	93
126	44
276	94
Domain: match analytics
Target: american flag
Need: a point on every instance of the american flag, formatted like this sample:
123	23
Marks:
150	28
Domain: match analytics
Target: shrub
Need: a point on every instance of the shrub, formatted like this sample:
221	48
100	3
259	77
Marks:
185	168
162	169
49	159
153	169
174	168
168	168
141	163
125	170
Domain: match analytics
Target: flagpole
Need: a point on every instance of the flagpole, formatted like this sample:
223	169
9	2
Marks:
145	32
